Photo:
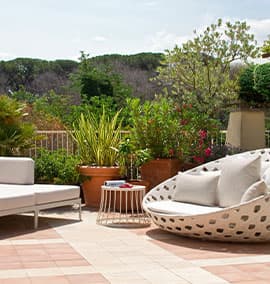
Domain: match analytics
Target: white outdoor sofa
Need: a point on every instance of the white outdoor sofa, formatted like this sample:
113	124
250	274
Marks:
19	194
238	212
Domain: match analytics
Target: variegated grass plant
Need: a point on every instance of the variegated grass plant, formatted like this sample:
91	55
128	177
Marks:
98	139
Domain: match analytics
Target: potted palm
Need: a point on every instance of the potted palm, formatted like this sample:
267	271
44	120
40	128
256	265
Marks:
98	140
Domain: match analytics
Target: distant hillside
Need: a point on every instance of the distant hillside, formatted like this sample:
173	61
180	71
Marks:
40	76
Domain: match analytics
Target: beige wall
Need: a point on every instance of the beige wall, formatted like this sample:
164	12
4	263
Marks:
246	130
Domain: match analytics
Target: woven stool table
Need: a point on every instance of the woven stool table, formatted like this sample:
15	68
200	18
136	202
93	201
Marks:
122	207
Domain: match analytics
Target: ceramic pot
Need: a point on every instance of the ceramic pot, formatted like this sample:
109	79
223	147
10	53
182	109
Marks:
158	170
95	177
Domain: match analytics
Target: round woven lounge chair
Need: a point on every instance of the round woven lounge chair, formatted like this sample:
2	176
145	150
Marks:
245	222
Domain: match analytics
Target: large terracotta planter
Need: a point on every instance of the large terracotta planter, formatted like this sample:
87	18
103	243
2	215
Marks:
156	171
96	177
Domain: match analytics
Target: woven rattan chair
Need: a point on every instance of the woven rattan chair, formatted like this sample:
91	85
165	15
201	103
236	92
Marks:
245	222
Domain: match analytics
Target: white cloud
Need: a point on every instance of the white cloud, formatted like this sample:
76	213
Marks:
150	3
6	56
99	38
163	40
260	28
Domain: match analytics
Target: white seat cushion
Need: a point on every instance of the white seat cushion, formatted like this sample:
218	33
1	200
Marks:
237	175
46	193
198	189
180	208
14	196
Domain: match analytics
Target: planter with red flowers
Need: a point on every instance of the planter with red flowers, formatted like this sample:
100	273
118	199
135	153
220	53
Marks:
174	135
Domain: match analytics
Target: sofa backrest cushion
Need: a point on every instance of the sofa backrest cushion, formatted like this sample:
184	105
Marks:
237	175
266	176
15	170
197	189
255	190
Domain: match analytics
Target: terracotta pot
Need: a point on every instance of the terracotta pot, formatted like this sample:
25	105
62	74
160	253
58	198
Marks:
158	170
97	176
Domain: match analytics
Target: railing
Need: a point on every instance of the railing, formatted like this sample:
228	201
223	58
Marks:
56	139
53	140
61	139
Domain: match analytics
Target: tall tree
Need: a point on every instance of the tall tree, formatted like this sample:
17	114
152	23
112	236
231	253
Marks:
198	72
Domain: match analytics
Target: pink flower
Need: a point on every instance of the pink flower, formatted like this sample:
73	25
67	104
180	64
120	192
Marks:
207	152
202	134
198	159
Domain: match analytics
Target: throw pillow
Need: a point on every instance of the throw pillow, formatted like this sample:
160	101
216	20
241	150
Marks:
255	190
237	174
266	177
198	189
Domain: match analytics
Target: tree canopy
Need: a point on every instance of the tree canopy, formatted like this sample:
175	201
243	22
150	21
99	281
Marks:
198	72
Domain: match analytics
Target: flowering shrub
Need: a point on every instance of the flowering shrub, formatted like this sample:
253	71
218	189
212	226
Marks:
197	129
171	131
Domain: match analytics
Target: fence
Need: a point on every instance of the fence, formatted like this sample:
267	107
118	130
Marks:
55	139
61	139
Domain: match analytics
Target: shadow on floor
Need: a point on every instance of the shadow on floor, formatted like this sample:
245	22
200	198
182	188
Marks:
22	227
175	242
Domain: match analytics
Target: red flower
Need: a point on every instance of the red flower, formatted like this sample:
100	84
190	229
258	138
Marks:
207	152
171	152
184	122
203	134
178	109
198	159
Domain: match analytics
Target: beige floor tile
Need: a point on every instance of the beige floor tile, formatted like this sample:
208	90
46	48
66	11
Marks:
55	271
13	273
162	275
196	275
77	270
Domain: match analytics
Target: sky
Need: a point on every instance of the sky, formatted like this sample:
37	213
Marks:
60	29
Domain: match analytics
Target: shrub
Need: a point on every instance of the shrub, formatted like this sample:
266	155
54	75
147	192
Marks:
254	84
262	80
15	134
171	131
56	167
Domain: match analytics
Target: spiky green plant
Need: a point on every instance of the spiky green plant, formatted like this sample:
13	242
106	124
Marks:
15	134
98	139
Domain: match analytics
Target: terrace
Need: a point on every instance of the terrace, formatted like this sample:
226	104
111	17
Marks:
64	250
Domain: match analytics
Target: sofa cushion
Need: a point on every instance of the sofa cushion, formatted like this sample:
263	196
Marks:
14	196
265	165
237	174
255	190
198	189
16	170
180	208
45	193
266	176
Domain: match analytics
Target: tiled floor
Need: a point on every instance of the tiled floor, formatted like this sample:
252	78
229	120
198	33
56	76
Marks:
64	250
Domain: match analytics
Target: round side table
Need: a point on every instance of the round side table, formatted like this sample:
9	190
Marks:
122	207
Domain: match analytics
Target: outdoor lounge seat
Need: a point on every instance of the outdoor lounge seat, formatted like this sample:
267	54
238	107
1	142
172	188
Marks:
234	214
19	194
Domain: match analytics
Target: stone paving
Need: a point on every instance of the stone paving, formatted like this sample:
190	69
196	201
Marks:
64	250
